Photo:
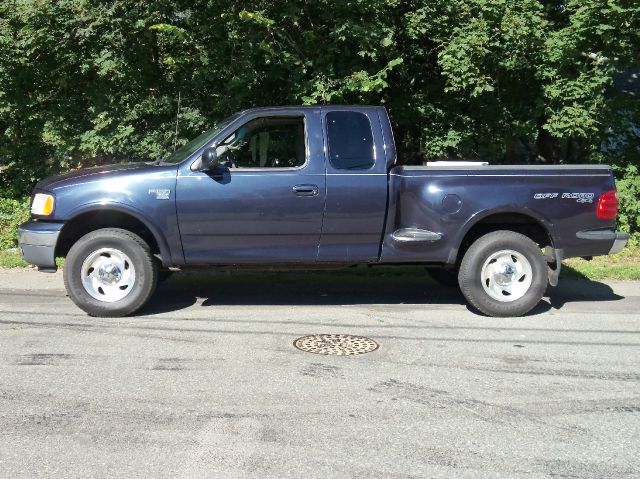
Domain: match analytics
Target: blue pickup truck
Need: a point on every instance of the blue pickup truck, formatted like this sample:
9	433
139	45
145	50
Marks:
317	186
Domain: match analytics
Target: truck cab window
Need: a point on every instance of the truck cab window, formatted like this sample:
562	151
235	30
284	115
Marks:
350	140
269	142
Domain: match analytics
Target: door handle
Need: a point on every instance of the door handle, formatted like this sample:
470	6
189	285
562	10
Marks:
305	190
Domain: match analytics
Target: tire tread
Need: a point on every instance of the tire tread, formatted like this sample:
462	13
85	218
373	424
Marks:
94	308
472	288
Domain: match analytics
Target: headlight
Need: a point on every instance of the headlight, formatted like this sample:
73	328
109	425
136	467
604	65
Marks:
42	204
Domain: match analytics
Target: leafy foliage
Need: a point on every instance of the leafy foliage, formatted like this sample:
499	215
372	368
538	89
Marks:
629	199
88	81
12	214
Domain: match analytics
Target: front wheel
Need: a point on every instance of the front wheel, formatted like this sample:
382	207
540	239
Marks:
110	272
503	274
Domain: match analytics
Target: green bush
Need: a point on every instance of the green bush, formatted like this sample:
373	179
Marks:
12	213
629	199
91	82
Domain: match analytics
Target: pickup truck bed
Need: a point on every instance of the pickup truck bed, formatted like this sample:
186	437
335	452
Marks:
557	201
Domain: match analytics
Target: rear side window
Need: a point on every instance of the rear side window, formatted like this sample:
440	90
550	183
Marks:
350	140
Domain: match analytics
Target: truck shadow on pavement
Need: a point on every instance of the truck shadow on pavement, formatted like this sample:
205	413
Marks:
344	287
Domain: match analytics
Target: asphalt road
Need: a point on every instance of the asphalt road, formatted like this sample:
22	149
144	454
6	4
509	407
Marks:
205	382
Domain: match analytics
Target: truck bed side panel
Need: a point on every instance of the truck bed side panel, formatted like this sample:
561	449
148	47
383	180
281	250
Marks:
449	201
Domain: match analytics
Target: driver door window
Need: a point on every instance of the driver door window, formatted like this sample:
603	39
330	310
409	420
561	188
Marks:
269	142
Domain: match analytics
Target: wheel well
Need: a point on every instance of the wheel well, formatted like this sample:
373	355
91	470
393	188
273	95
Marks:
94	220
518	222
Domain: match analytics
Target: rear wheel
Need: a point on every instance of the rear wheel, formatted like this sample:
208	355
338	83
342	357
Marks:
503	274
110	272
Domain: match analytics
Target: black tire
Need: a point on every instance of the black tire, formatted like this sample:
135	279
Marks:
135	248
443	276
470	275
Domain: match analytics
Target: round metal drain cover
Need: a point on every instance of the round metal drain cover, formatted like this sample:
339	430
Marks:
335	344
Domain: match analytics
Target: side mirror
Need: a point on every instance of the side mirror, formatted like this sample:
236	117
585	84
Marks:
209	159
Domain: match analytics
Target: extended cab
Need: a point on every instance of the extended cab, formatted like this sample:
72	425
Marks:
317	186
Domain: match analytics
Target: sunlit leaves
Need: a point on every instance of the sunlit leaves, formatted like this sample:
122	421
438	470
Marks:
89	81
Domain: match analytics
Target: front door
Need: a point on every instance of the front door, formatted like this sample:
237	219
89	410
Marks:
263	204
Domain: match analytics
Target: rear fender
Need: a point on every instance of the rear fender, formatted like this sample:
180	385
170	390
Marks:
474	220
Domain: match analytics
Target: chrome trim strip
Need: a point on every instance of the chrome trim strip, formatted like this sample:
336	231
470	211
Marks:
410	235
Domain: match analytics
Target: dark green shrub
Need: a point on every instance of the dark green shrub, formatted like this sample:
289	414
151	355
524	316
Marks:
12	213
629	199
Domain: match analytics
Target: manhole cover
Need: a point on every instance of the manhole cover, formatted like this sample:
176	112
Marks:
335	344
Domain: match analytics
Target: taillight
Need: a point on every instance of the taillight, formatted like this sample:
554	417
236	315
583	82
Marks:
608	205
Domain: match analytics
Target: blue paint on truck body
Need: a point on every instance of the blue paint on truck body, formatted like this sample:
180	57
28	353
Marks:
317	213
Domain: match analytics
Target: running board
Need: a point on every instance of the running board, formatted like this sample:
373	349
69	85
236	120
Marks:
411	235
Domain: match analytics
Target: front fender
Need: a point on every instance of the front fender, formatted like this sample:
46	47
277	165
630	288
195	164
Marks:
102	206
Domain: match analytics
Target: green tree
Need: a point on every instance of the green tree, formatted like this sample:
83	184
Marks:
87	82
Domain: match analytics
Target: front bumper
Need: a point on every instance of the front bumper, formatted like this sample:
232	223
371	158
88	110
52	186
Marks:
37	241
619	239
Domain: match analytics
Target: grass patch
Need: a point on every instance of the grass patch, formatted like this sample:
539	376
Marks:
13	260
624	265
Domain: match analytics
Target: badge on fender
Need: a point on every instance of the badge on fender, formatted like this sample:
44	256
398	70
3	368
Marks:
160	194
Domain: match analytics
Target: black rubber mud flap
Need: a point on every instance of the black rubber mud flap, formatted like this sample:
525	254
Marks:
554	261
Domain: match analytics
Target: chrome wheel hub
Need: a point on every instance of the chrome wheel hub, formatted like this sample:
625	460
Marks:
506	275
503	274
108	275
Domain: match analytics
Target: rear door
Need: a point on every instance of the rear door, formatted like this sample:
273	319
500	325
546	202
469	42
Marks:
356	185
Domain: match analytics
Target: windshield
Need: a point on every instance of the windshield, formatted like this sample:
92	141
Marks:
198	142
